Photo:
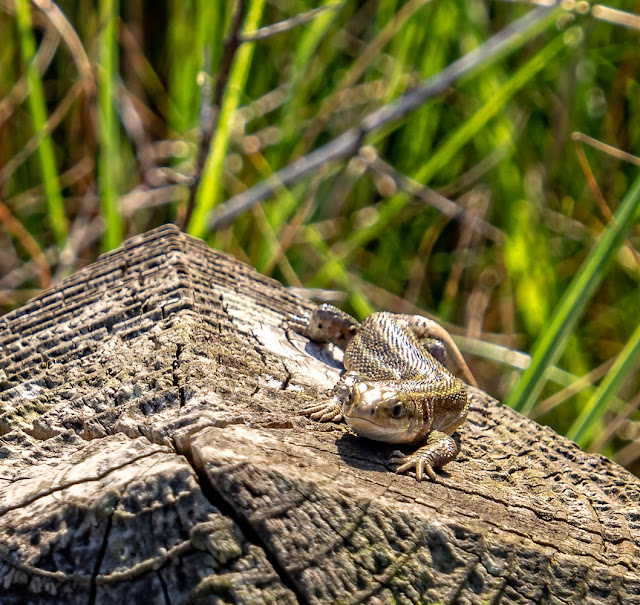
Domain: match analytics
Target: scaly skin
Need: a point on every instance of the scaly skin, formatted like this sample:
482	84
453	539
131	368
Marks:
394	389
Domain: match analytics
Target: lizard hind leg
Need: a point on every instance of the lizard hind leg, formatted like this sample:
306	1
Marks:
426	330
436	348
439	449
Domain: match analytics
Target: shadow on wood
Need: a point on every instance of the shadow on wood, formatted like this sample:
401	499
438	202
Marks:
151	453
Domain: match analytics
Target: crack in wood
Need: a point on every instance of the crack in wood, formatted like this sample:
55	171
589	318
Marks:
165	589
100	557
216	498
69	484
175	365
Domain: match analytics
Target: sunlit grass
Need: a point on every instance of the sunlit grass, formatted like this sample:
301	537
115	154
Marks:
37	106
210	189
110	175
571	308
591	416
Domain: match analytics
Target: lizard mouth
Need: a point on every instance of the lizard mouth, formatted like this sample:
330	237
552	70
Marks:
374	430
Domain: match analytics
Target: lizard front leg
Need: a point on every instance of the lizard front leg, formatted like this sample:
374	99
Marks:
439	449
331	411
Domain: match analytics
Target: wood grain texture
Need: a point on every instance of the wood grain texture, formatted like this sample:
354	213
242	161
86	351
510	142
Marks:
150	452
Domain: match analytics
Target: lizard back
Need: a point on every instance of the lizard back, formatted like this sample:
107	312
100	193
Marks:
383	350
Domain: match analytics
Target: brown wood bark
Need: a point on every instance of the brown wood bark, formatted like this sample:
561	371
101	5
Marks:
150	452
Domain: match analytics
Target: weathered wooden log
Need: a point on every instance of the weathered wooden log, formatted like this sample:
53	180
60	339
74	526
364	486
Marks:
151	453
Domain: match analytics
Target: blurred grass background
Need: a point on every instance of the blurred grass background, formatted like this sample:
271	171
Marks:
118	117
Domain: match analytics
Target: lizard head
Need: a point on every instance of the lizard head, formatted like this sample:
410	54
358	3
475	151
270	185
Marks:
379	412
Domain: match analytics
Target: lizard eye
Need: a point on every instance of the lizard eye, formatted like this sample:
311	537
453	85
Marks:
396	410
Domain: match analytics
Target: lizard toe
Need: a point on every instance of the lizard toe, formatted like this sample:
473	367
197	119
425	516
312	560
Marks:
297	323
311	409
397	458
328	416
417	462
322	412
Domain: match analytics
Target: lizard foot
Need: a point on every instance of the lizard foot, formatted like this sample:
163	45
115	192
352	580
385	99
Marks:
439	449
406	463
330	411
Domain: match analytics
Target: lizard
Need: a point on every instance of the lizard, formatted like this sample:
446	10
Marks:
395	387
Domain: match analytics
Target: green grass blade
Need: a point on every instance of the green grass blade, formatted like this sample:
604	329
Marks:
314	32
108	162
210	189
193	26
550	344
582	429
38	111
338	273
469	129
